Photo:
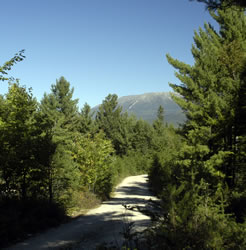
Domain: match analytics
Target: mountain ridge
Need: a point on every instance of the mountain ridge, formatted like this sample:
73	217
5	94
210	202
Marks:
145	106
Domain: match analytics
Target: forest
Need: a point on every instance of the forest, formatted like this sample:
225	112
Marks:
56	159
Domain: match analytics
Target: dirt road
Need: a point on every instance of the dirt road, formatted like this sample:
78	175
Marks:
104	224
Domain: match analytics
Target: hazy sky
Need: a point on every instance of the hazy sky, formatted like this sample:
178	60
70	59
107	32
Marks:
99	46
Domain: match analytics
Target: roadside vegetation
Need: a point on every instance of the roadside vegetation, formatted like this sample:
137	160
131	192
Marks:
56	160
202	182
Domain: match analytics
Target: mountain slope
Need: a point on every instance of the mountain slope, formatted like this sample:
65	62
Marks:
145	106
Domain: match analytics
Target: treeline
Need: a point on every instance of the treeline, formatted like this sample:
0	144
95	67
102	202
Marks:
56	159
202	182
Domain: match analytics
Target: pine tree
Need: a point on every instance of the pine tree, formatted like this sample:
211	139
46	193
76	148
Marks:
210	88
60	112
59	105
205	178
114	123
158	124
142	139
220	4
86	121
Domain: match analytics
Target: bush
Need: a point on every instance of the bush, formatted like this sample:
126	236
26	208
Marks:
193	218
19	219
133	163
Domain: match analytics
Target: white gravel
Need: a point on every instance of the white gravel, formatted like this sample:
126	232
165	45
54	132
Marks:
104	224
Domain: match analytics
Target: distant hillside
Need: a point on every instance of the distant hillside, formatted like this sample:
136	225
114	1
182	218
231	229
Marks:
145	106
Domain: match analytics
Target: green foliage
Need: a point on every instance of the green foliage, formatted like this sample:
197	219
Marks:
19	137
194	219
60	108
133	163
210	104
202	182
9	64
25	150
93	158
86	122
159	122
62	160
115	124
220	4
60	114
19	220
54	156
142	138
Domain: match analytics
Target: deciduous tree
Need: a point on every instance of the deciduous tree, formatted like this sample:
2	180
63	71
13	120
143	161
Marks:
9	64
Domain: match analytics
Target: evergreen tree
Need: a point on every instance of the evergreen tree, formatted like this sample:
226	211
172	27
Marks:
142	139
220	4
163	135
158	124
86	122
60	112
114	123
59	105
160	114
210	89
205	178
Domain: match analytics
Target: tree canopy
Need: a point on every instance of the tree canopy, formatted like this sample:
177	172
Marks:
203	180
219	4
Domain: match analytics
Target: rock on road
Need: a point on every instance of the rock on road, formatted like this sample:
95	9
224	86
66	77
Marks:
104	224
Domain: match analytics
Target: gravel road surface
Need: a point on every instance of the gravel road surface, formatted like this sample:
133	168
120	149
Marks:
104	224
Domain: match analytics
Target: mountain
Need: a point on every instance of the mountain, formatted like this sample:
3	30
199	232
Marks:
145	106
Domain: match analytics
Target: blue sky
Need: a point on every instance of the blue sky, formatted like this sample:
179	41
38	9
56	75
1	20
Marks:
99	46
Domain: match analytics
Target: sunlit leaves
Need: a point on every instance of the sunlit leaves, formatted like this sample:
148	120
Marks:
93	157
9	64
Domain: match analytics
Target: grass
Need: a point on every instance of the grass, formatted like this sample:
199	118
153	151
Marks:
85	202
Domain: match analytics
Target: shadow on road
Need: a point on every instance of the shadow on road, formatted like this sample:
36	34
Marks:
104	224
